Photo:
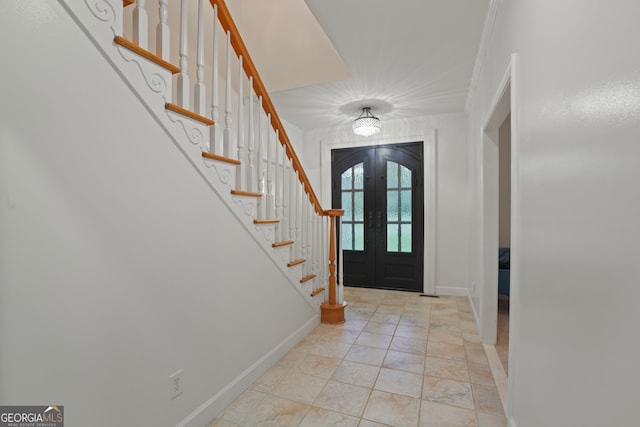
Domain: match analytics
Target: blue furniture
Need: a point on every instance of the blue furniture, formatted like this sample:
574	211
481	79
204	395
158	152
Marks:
504	272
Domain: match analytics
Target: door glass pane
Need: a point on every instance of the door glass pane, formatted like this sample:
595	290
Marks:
405	203
392	174
347	179
358	174
392	206
405	177
392	237
347	237
358	241
405	238
352	187
346	205
358	208
399	208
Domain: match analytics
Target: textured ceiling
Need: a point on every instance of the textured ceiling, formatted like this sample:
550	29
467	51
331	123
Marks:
404	58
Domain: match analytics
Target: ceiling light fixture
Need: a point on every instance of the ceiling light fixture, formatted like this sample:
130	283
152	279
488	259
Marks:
366	124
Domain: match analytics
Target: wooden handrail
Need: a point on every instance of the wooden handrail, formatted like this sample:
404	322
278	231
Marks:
224	16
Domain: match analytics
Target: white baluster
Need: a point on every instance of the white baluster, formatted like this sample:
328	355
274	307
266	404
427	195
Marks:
199	97
140	25
183	77
309	227
260	156
285	196
163	34
270	202
325	254
340	262
314	248
213	140
293	206
320	249
227	149
240	170
303	234
251	171
298	219
278	188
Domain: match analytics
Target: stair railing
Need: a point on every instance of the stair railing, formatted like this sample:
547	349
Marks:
268	167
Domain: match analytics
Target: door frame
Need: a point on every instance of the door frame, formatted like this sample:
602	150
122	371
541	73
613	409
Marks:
374	160
505	101
429	141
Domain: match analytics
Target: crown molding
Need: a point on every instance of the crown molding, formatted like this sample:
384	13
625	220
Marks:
487	32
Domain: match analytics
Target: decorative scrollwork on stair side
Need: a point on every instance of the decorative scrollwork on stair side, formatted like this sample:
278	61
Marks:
194	134
223	170
102	10
267	231
284	253
248	205
156	82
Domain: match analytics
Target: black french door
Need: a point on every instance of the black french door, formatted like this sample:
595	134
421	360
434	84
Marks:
381	191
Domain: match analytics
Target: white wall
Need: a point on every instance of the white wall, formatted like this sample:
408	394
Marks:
576	121
451	181
119	264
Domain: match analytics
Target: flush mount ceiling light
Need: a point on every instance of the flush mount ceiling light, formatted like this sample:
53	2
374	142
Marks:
366	124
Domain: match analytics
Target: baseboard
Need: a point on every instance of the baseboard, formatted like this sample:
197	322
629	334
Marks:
473	309
453	291
499	374
212	407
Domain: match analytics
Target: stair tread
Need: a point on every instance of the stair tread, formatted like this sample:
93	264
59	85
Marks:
317	291
188	113
307	278
296	262
146	54
212	156
245	193
266	221
284	243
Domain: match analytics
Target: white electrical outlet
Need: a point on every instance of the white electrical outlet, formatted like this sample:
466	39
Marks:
176	387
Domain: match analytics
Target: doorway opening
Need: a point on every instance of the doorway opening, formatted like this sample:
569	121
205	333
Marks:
380	188
504	240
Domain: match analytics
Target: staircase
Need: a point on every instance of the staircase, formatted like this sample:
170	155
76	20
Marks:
228	130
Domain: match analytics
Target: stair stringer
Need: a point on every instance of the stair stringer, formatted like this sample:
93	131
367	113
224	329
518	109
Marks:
101	21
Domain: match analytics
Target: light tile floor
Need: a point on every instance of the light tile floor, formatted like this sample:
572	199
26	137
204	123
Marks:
398	360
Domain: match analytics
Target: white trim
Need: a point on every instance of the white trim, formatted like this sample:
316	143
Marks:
476	315
499	375
429	141
214	405
499	108
453	291
488	305
430	228
516	215
487	32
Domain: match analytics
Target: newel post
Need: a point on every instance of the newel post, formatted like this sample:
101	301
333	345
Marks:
332	311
